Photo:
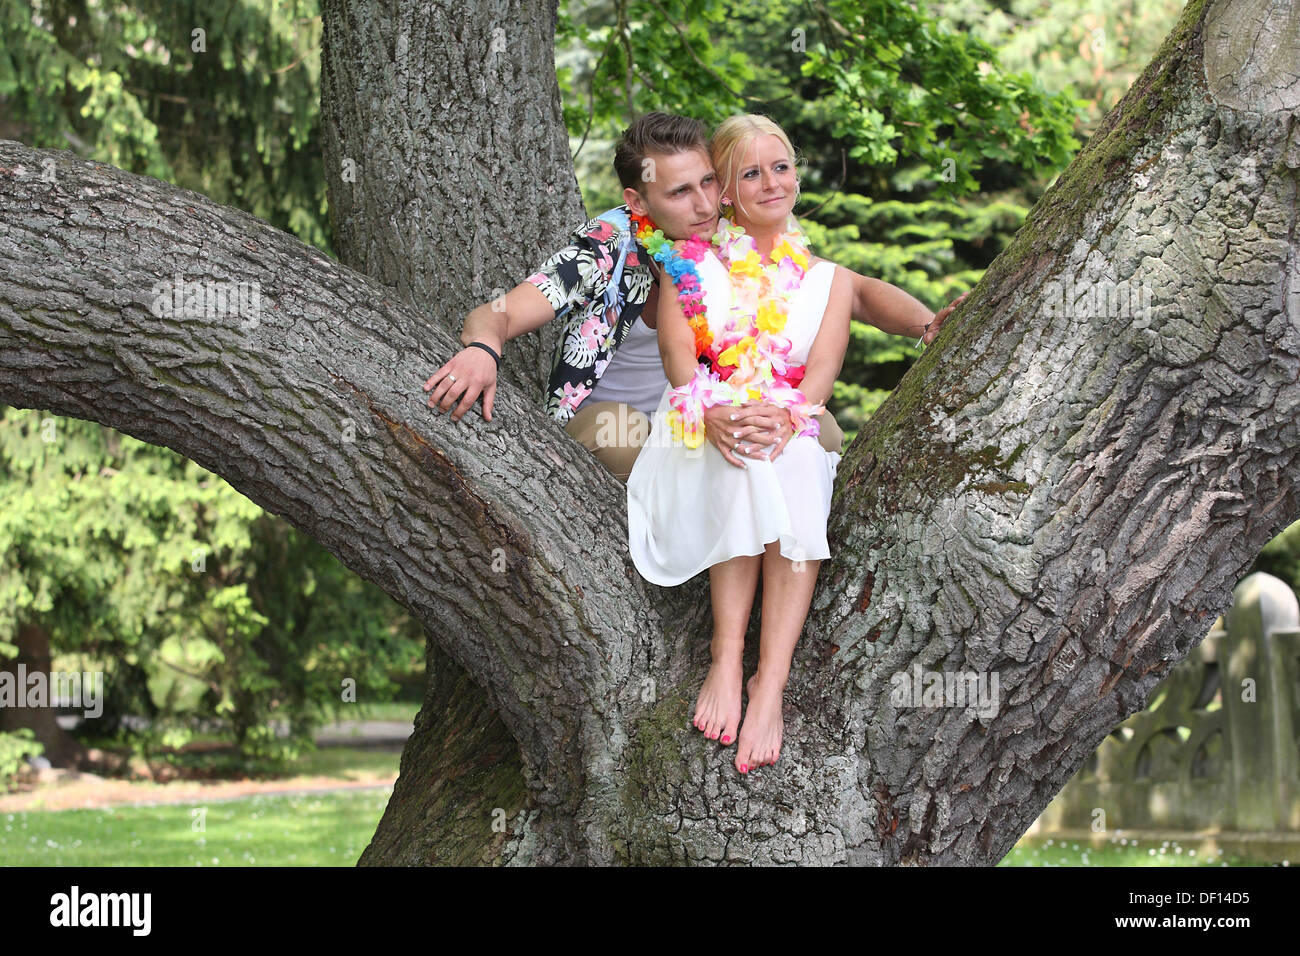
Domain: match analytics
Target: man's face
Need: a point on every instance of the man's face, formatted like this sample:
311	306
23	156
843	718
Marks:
679	191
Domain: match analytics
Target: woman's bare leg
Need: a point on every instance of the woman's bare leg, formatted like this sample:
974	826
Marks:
787	594
731	586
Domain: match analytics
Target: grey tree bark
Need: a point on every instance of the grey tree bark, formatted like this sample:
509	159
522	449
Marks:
1056	496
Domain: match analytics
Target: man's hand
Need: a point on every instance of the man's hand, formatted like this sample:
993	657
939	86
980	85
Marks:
754	427
470	371
937	322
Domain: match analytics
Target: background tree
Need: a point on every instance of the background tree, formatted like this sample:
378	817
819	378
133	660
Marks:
103	530
223	100
130	560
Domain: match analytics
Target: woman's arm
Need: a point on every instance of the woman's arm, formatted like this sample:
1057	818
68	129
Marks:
677	349
676	337
826	357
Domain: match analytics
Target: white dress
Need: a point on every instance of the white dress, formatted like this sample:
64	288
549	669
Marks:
689	509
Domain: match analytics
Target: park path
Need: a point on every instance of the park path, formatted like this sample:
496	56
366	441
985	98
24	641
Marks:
70	790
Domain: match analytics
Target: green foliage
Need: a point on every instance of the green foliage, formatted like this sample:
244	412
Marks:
1281	557
904	89
15	748
1095	48
192	600
232	113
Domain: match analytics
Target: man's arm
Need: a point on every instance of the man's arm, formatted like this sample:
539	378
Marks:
892	310
521	310
888	307
559	283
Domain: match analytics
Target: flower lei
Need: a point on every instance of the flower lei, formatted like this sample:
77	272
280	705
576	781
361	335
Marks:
750	361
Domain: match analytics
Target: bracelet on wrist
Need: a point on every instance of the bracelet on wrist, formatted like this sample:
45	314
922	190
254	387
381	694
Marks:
487	348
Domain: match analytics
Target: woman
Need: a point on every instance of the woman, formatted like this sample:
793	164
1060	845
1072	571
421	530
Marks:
752	315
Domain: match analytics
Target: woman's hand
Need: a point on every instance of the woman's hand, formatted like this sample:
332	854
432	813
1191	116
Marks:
752	430
773	429
723	431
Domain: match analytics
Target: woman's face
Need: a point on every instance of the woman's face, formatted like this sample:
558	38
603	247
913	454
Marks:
765	184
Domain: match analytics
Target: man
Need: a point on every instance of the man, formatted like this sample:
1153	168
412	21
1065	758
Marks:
606	375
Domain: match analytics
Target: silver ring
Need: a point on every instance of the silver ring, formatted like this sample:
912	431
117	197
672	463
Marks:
452	377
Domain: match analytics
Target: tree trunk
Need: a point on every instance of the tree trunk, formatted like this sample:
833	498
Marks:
448	171
1055	497
61	748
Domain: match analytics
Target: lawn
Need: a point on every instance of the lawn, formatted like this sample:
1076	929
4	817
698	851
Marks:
1119	851
293	830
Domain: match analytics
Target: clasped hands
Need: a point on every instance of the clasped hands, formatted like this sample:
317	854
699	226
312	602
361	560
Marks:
752	430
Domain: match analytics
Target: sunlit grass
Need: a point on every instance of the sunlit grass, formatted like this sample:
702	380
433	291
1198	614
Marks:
1118	851
316	830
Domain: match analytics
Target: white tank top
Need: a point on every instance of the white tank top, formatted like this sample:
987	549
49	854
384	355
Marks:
635	375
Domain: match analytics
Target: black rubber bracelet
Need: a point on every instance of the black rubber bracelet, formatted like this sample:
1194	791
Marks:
488	349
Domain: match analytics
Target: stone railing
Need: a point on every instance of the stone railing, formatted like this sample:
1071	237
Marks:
1216	749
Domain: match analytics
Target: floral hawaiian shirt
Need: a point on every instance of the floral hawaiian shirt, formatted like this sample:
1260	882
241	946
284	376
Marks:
597	284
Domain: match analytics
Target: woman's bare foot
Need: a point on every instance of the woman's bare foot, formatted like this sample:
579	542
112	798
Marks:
717	709
760	737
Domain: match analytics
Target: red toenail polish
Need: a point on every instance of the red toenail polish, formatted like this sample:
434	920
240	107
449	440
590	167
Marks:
726	739
743	768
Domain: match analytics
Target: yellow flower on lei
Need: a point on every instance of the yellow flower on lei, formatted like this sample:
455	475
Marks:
692	437
748	265
770	318
798	256
731	356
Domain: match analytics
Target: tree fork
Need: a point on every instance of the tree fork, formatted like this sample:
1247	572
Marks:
1054	496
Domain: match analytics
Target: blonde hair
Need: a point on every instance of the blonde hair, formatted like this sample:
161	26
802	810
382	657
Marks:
731	139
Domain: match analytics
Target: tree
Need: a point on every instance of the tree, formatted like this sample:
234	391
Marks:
189	598
219	99
1056	495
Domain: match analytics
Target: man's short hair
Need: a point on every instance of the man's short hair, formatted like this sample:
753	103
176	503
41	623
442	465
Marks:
655	133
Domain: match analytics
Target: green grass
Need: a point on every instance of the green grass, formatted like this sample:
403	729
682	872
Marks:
345	763
387	710
1119	851
315	830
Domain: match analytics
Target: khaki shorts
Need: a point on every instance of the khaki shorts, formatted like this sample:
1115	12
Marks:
616	436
